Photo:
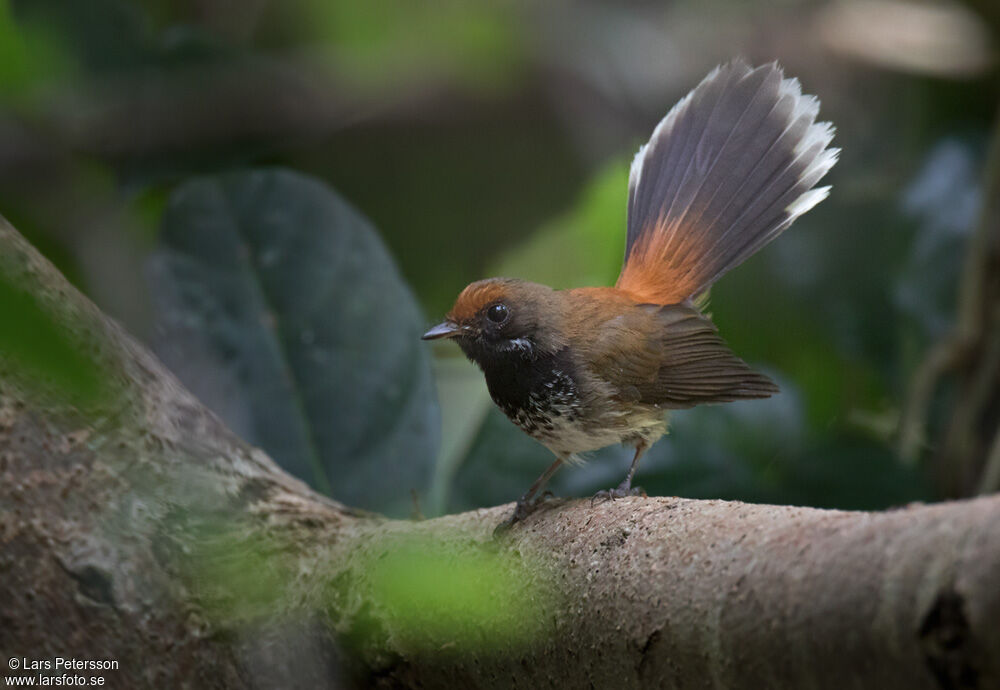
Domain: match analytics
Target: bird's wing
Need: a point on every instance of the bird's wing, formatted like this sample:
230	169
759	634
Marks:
671	356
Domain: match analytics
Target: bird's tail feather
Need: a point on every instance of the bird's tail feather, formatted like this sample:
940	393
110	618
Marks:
724	173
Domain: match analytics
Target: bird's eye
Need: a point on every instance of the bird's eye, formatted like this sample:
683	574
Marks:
497	313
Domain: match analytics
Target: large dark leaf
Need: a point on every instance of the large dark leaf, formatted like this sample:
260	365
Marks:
278	305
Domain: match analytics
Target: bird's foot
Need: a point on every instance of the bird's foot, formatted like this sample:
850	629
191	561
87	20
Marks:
621	491
522	510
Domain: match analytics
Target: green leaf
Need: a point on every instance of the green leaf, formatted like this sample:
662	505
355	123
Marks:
30	55
589	239
388	44
280	308
434	597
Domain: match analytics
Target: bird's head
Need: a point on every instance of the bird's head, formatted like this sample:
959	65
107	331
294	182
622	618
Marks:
501	317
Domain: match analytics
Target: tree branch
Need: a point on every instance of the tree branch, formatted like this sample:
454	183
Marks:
146	532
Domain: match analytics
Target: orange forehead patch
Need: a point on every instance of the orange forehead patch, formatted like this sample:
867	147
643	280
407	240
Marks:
476	296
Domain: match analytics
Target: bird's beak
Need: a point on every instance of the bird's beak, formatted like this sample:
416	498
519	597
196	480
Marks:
445	329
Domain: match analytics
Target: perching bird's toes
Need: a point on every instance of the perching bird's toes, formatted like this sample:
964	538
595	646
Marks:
522	510
620	491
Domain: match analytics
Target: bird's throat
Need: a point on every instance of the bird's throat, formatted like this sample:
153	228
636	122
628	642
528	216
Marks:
532	391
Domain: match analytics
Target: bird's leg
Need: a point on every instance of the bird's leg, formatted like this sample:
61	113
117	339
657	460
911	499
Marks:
625	488
527	503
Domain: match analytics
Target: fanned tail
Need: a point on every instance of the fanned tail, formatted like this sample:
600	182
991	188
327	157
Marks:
724	173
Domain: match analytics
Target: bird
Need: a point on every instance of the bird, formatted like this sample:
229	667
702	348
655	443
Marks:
726	171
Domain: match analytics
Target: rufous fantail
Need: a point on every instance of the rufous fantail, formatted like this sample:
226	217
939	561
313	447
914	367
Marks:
724	173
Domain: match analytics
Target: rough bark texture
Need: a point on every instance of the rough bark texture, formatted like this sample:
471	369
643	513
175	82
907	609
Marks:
105	520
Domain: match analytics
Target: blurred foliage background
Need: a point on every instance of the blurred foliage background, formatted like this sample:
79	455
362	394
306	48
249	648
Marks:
147	148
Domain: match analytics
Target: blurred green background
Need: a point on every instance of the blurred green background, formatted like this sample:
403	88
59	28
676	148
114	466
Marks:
146	147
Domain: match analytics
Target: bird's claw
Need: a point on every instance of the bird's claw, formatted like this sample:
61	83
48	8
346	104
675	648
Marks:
521	512
500	531
621	491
